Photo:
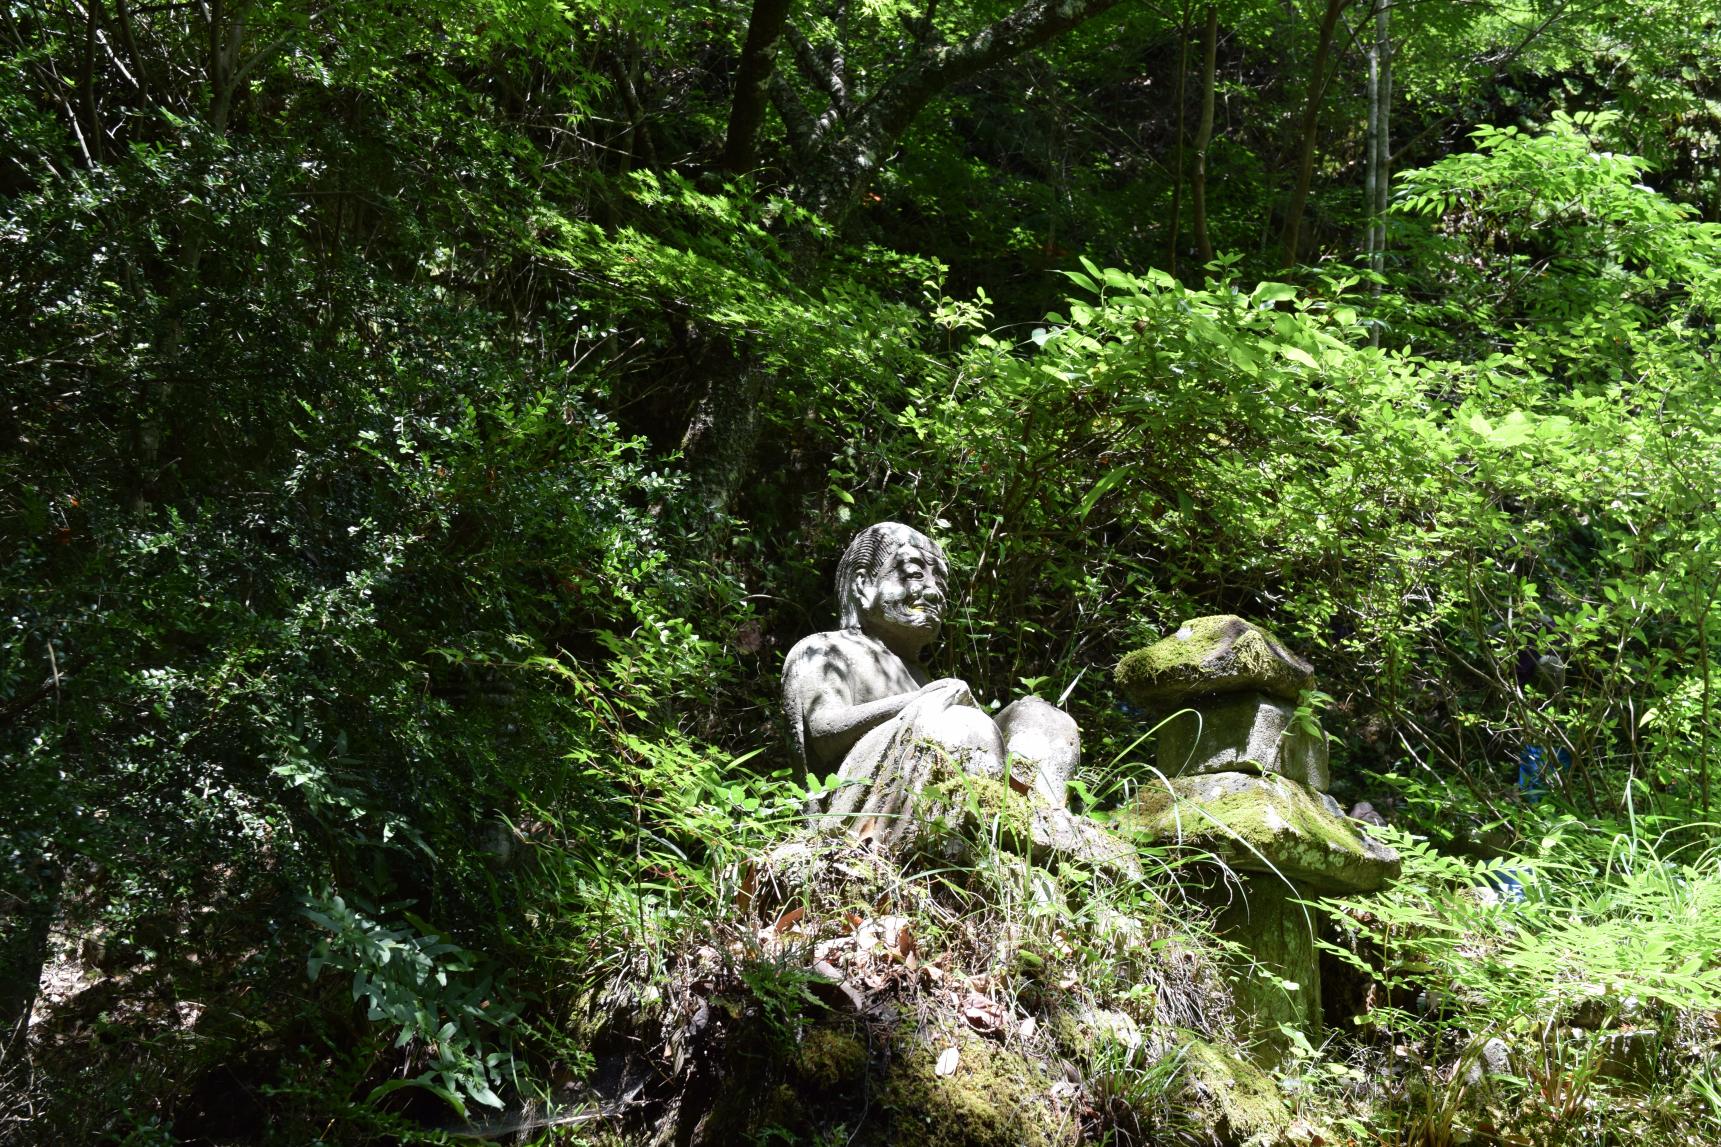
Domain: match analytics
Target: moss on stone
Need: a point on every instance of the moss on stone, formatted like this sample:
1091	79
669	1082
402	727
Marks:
1239	1101
829	1059
1153	803
994	1098
1265	824
1066	1029
997	805
1228	1099
1257	822
782	1114
1218	654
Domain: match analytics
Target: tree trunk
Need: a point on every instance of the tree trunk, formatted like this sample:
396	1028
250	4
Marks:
1204	137
1708	700
1311	125
1177	172
226	74
639	149
1381	155
717	447
753	83
27	911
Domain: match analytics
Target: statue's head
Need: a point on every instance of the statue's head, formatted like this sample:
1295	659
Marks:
891	583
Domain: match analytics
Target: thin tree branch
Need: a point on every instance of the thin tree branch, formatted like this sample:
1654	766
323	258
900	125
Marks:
1034	23
822	71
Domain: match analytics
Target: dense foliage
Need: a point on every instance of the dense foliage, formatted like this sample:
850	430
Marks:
422	430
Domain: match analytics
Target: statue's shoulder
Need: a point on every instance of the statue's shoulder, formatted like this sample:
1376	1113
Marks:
819	649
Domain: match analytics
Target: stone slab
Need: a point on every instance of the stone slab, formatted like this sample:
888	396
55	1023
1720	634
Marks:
1266	824
1058	833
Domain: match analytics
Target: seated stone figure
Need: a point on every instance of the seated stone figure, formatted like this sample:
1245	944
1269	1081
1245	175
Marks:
858	700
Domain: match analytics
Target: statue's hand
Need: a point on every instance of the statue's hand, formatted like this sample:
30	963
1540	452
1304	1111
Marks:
946	693
936	697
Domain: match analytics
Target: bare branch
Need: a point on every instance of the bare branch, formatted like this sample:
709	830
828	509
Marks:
847	161
258	57
1034	23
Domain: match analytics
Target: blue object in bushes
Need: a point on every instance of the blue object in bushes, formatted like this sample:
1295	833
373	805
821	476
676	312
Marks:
1533	766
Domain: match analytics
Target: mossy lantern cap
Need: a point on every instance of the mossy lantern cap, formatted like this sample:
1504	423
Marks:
1213	655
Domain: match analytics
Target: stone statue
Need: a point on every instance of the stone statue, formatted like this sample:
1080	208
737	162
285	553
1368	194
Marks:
858	699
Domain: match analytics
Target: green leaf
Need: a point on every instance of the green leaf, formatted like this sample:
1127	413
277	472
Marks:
1081	281
1514	430
1098	490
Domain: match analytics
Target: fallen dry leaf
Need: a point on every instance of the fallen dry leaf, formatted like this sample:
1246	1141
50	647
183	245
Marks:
749	885
898	934
982	1014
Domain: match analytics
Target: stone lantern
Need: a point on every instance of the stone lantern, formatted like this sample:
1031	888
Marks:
1243	777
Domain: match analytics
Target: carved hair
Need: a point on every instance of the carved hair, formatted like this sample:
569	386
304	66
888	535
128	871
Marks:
873	549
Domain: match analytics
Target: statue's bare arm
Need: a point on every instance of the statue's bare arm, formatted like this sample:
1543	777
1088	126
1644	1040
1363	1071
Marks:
833	728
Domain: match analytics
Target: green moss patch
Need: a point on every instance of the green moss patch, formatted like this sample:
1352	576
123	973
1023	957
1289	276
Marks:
1238	1101
1265	824
1218	654
993	1098
829	1060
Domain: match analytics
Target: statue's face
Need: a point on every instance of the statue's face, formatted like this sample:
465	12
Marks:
903	598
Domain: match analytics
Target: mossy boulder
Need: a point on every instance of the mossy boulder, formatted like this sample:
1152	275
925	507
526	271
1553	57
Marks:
1024	824
1212	655
1269	824
993	1097
1237	1101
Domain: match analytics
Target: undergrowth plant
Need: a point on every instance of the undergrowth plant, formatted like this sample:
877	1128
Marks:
1533	991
